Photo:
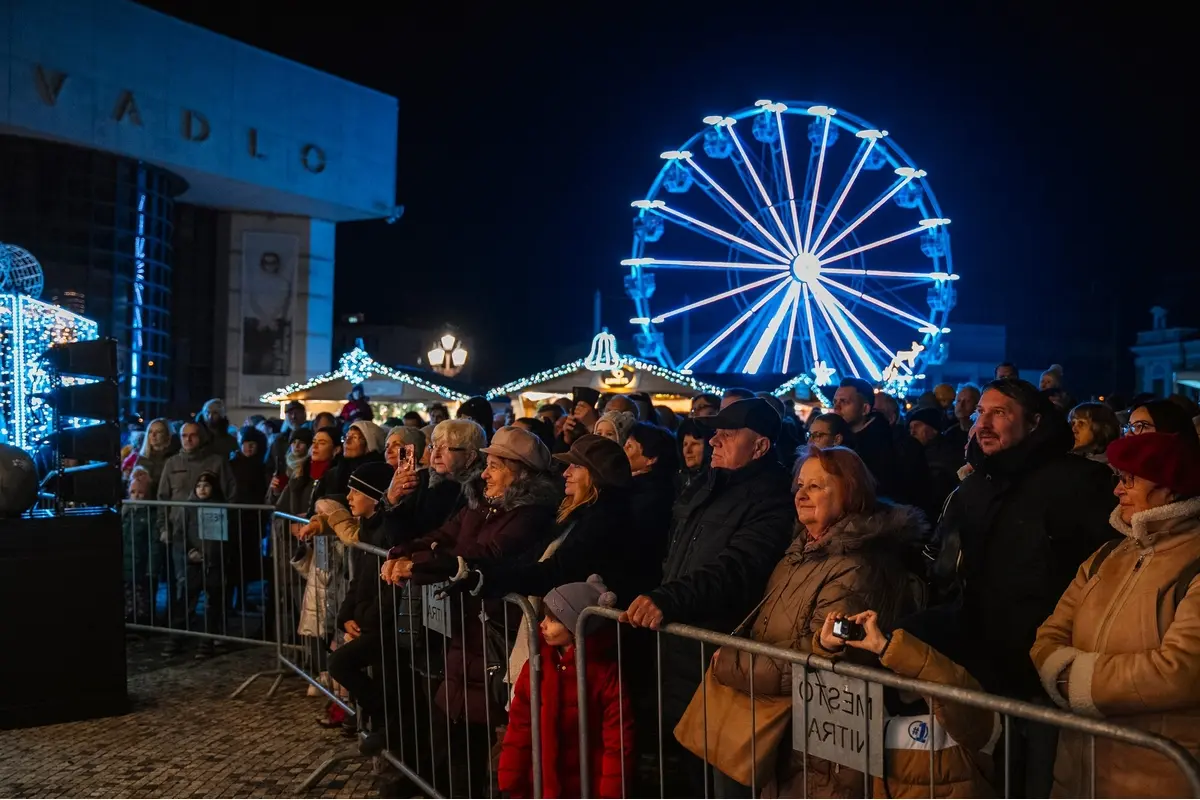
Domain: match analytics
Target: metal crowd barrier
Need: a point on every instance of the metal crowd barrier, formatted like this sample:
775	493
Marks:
198	570
862	682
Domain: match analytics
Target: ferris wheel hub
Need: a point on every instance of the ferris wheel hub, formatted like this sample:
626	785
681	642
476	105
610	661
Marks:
806	268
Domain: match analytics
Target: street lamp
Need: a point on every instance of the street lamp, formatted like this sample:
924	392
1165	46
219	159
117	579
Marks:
448	356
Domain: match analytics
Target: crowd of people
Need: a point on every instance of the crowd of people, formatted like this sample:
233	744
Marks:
994	537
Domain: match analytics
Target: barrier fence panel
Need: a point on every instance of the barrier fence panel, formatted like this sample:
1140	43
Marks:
198	570
430	675
835	715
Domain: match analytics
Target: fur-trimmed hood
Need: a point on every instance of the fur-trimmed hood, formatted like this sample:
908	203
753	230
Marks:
537	489
1152	524
890	524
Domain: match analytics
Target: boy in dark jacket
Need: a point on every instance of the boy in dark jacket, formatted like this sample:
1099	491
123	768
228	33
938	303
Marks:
610	717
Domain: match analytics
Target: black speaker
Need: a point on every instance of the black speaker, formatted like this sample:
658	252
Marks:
87	443
86	400
95	359
96	484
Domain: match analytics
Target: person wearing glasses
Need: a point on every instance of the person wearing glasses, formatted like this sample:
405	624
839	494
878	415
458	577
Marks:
1122	643
828	430
420	501
705	405
1160	416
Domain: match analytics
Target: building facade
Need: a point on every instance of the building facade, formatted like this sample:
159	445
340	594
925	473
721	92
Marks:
183	190
1167	359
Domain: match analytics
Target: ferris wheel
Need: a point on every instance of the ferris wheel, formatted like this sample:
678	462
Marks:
810	244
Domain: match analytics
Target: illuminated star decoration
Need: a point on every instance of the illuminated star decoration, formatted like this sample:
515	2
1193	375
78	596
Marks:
823	374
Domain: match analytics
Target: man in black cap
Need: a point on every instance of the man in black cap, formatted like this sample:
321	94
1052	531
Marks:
727	535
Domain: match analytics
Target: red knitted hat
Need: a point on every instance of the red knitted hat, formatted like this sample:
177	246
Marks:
1164	458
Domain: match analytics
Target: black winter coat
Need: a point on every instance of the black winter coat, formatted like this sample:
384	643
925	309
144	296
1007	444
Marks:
1026	518
727	535
361	603
425	510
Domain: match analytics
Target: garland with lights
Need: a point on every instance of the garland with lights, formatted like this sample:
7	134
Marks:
656	370
806	381
357	367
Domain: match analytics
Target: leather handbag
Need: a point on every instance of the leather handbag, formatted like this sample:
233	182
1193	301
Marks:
736	735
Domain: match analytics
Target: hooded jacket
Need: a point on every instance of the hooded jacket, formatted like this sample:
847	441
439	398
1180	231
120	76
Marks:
1131	655
610	726
856	566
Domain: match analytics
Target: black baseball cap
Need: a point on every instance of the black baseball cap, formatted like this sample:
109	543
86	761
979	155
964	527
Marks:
753	413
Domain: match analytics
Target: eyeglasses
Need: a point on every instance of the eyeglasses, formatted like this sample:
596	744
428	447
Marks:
817	435
445	447
1138	428
1126	479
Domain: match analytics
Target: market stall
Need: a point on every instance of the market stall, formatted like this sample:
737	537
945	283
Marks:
393	391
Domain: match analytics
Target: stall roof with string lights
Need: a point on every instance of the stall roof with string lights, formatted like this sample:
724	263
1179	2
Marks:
387	386
606	369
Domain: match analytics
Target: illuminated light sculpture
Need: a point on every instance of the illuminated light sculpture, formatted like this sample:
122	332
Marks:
821	261
28	327
603	356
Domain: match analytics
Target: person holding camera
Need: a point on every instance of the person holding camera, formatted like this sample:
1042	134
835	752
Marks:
957	738
846	558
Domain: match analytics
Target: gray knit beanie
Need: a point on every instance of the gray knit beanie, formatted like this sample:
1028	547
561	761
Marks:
567	602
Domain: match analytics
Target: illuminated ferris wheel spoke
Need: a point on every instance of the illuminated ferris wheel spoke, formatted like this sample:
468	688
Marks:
832	213
791	335
812	204
659	209
769	203
767	338
873	245
722	296
834	308
749	217
907	174
733	326
812	334
887	273
791	190
675	263
922	325
870	334
837	338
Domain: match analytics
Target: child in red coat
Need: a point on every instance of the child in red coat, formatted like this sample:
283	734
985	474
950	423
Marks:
610	718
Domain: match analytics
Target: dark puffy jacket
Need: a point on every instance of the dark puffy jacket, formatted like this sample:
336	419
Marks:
1026	518
361	603
727	535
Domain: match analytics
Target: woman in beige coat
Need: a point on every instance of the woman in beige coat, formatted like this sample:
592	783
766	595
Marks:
846	558
1123	643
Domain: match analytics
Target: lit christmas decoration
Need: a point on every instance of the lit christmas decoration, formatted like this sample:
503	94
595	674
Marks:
603	356
823	374
657	370
28	328
803	380
357	367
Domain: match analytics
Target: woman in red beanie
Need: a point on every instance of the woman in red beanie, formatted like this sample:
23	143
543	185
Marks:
1124	642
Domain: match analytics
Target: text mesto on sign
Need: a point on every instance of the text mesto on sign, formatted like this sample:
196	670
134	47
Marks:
838	719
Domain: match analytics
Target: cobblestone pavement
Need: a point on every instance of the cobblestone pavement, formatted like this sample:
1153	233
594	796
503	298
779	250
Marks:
184	737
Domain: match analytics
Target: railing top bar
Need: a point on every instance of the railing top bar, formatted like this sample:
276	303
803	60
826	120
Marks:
190	504
1000	705
370	548
291	517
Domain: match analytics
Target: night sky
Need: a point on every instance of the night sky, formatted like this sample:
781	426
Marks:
1056	142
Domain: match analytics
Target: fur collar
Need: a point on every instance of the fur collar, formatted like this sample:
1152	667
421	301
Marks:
463	477
890	524
1151	524
540	489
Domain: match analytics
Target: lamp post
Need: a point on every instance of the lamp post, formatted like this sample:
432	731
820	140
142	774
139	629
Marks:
448	356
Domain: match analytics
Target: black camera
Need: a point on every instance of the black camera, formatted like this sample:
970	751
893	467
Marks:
849	631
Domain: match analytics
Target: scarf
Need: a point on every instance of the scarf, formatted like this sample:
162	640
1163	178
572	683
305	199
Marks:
317	469
295	465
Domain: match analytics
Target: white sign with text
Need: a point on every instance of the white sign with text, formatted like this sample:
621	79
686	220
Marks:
838	719
437	612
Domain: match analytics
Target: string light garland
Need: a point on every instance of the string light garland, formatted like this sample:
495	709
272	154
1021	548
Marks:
803	380
357	367
656	370
28	328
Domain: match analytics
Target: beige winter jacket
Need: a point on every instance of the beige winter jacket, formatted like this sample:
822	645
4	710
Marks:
1132	657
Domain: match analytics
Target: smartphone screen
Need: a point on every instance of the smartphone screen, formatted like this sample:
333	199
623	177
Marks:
408	458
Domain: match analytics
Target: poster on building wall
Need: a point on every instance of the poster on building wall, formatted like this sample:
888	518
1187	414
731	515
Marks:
269	272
